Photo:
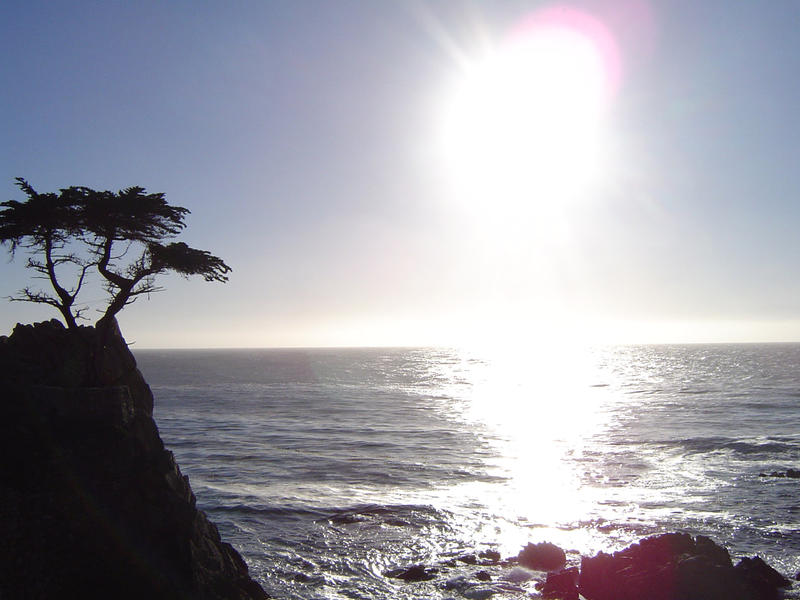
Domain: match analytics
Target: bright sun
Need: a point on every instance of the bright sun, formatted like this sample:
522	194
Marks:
524	124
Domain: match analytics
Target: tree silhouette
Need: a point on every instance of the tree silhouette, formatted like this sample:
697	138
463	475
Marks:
44	225
110	229
140	222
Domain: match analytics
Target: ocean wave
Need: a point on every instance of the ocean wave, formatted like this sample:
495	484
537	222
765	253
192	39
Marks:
280	512
701	445
415	515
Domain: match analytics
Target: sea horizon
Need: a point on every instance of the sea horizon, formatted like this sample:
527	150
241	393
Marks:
457	346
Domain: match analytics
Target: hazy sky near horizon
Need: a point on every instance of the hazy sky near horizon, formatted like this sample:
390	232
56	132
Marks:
306	139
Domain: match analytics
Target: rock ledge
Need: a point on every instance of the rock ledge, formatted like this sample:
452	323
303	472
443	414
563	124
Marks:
92	504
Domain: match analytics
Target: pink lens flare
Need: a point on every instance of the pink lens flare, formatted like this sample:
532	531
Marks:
569	21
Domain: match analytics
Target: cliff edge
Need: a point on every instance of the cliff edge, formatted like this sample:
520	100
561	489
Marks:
91	503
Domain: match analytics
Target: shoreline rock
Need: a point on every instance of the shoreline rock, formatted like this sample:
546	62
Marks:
675	566
542	557
670	566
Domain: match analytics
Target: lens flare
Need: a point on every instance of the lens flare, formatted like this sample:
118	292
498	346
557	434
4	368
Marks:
524	125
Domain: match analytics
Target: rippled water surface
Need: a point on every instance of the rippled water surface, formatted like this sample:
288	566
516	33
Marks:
325	468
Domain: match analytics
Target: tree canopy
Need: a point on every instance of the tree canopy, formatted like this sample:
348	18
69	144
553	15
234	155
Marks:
121	235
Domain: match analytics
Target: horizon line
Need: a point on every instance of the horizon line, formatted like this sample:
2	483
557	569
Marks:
452	346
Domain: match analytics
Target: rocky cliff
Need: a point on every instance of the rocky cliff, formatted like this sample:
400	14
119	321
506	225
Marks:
91	503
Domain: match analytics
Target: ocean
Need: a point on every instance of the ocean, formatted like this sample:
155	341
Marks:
327	467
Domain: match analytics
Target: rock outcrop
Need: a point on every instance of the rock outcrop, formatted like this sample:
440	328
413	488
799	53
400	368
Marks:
561	585
91	503
670	566
542	557
675	566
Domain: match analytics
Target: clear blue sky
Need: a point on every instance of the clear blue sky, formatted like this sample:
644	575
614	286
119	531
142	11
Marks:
303	138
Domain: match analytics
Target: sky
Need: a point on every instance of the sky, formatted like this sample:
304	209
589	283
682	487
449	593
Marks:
325	153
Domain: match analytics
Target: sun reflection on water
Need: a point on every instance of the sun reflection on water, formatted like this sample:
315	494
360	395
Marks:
538	410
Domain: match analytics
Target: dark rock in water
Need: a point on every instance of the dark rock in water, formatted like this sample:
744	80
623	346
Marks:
675	566
697	577
562	585
707	547
790	473
542	557
483	576
493	556
413	573
91	503
761	577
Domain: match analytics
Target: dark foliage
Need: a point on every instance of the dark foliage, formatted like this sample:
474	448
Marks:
182	259
121	234
131	215
44	225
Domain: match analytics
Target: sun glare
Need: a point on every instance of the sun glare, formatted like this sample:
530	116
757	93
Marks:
523	126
